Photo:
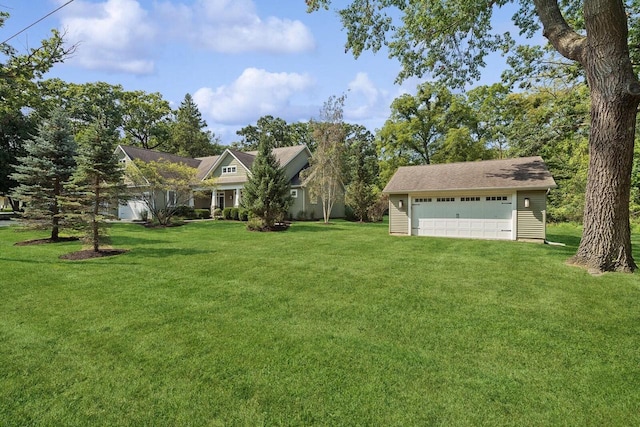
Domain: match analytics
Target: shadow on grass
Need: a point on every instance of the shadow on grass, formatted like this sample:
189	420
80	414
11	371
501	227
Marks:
166	252
311	227
570	241
135	241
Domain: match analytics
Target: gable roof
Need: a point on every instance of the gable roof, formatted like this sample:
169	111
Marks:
529	173
283	155
135	153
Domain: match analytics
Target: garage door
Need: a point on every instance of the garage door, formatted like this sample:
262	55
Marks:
484	217
131	210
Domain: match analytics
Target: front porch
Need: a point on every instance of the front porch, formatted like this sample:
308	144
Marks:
218	199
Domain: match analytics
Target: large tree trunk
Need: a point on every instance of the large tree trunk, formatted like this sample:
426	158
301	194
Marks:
606	239
604	54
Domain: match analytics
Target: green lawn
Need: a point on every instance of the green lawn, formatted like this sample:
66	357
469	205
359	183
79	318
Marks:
208	324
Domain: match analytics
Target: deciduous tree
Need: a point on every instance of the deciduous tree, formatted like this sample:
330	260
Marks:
324	177
164	186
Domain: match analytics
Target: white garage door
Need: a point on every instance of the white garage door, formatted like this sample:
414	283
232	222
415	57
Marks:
131	210
484	217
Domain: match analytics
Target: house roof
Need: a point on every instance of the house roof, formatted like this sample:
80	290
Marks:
135	153
206	163
529	173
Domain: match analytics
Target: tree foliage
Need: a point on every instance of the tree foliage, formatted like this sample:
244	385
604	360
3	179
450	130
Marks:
146	119
19	74
164	186
189	137
361	171
96	184
267	192
44	171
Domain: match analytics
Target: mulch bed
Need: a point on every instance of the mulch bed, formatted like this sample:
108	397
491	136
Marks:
90	253
45	241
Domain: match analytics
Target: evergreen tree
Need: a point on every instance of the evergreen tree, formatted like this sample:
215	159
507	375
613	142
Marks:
43	172
267	193
188	135
96	182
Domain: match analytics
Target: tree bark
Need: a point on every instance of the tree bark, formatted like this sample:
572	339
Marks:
604	54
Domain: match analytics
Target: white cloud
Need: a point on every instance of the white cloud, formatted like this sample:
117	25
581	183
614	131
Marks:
365	101
255	93
115	35
233	26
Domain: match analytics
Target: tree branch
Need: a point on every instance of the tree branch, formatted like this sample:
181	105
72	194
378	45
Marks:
564	39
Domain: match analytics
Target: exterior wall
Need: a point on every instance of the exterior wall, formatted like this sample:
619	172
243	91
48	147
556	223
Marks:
398	217
229	160
303	204
532	220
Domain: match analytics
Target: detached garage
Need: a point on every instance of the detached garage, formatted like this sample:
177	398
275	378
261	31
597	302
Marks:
494	199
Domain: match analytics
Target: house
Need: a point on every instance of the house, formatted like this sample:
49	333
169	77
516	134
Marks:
493	199
231	171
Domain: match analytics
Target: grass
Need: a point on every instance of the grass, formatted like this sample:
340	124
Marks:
208	324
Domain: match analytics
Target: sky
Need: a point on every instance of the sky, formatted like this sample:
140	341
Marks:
239	59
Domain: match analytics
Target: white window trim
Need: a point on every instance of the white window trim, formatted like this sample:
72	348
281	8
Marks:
229	169
294	193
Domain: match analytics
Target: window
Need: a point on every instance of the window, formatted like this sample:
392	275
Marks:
470	199
422	199
294	194
446	199
228	169
496	198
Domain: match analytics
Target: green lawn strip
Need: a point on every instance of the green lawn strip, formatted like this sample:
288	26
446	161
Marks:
208	324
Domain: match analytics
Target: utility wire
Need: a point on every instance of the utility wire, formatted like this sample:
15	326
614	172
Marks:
39	20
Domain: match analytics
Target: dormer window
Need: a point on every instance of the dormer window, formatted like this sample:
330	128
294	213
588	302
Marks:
228	169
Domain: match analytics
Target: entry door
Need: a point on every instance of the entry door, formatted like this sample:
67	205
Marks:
220	203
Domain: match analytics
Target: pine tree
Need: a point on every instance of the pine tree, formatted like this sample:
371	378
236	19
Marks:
267	193
96	183
188	135
43	172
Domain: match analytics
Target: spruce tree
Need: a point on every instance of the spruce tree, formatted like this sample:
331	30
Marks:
96	184
189	137
44	170
267	192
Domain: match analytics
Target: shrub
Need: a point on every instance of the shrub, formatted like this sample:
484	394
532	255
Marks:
203	213
144	215
349	214
235	214
301	215
243	214
186	212
217	213
379	208
226	213
255	224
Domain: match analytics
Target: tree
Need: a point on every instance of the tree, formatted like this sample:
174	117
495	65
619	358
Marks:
361	171
188	135
324	176
43	172
146	118
450	40
278	130
164	186
267	192
96	183
19	91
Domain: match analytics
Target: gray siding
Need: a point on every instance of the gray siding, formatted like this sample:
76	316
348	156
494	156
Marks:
398	217
531	220
229	160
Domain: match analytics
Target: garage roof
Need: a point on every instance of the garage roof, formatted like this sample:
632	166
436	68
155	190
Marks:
529	173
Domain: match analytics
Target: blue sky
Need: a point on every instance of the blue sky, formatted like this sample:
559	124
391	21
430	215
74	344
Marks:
240	59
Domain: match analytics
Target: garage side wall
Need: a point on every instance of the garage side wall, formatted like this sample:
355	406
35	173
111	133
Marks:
531	220
398	217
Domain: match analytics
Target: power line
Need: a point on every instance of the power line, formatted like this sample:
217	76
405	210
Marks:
39	20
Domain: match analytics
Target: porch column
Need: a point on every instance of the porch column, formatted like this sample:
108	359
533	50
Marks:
213	200
236	203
